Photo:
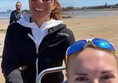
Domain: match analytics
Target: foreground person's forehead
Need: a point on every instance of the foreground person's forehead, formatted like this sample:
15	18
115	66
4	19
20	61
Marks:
91	53
95	56
94	63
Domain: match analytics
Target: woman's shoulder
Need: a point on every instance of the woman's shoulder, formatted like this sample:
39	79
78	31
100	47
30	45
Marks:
68	34
66	30
16	28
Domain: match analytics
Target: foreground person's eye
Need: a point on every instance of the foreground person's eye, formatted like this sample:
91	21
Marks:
81	79
107	77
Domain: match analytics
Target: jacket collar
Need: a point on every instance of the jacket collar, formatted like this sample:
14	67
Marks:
25	21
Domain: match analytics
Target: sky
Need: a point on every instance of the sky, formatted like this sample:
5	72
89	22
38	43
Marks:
10	4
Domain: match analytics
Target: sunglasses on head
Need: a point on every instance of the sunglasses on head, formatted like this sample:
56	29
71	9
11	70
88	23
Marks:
96	42
44	1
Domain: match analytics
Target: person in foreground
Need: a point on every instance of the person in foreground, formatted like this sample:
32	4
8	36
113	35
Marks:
92	61
16	14
36	42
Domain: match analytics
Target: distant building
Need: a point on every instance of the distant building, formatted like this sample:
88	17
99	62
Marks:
9	11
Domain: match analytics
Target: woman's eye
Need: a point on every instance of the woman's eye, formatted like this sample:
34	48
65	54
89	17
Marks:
106	77
81	79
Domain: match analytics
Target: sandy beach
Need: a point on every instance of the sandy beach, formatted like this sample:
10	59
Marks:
104	27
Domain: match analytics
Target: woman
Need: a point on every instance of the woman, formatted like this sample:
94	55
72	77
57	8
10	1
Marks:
36	42
92	61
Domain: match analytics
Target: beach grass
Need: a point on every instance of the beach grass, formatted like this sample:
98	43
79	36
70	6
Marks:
2	30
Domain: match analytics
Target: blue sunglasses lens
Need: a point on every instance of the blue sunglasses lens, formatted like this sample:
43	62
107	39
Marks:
101	43
79	45
98	42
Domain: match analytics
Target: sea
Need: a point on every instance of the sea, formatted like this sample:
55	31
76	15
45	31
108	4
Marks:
5	15
90	13
76	14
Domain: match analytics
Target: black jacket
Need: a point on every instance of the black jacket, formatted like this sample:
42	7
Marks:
20	51
15	16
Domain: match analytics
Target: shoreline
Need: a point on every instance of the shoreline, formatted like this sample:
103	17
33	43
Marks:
83	13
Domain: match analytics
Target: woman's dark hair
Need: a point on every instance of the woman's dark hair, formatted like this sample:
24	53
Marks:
56	13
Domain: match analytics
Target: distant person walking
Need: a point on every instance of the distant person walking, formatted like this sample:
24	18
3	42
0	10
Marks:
16	14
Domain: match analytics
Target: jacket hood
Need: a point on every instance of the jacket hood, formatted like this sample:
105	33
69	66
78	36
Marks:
25	21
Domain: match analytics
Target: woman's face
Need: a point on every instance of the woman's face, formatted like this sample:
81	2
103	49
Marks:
93	66
40	10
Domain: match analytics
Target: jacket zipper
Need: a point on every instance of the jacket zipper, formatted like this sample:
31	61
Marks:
36	53
34	42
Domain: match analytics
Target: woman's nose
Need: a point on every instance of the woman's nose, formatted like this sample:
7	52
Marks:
95	81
